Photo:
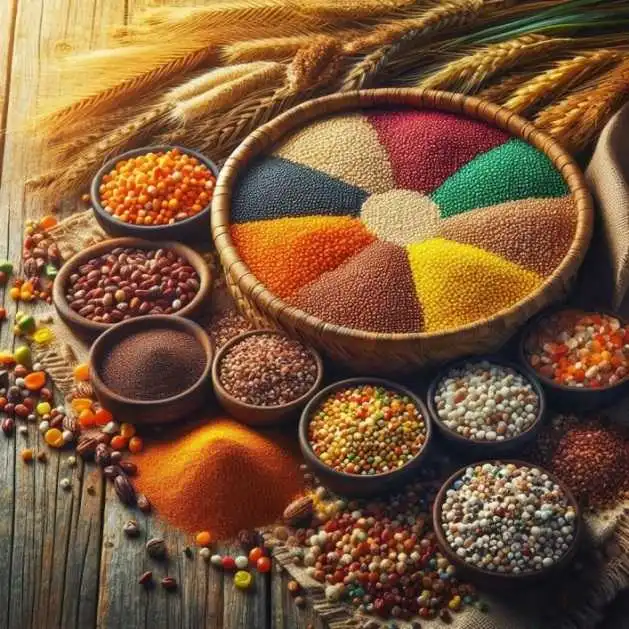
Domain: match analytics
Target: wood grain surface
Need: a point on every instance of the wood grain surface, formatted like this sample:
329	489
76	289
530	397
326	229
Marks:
64	561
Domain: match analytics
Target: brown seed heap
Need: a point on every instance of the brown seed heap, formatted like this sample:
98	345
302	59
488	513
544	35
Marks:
153	365
590	457
268	370
129	282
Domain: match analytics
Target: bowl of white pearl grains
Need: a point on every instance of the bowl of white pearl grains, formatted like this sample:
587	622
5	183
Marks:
506	522
486	407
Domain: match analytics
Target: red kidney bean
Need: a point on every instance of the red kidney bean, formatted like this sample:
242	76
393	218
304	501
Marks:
131	282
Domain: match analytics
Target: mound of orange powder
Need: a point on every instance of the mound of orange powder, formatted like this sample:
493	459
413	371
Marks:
221	477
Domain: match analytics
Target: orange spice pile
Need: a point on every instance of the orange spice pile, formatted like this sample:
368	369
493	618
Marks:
221	477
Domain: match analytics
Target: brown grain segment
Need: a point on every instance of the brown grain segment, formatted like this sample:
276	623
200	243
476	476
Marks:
390	352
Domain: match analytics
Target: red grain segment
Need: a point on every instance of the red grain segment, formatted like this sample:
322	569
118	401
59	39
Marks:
287	253
372	291
426	147
533	233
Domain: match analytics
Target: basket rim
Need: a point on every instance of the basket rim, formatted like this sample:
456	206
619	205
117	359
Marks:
268	134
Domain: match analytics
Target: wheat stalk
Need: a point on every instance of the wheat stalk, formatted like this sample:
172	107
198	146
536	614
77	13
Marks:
316	65
451	14
219	98
500	91
579	117
559	79
267	49
353	9
471	72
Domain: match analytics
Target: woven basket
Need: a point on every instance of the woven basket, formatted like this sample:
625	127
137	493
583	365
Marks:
393	353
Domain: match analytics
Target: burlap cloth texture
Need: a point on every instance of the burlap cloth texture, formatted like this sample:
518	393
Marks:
589	596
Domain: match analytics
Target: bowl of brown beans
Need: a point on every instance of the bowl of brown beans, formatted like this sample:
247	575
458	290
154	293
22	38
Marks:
264	377
153	369
364	436
155	192
125	278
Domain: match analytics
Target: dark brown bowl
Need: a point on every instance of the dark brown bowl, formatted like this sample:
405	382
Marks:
89	329
497	580
476	449
150	411
560	396
354	484
194	228
260	415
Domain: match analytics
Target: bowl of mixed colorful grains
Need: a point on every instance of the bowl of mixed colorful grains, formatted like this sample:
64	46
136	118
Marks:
124	278
505	522
155	192
363	436
264	377
581	358
486	406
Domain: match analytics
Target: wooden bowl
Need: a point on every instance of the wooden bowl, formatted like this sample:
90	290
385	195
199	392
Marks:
354	484
150	411
563	397
260	415
476	449
91	329
383	353
487	578
193	228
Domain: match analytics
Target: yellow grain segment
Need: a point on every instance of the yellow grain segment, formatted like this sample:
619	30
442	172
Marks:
345	147
460	284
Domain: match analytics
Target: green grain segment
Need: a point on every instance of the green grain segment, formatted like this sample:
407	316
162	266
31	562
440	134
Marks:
512	171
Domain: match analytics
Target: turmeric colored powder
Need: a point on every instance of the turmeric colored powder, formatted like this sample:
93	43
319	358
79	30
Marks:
220	477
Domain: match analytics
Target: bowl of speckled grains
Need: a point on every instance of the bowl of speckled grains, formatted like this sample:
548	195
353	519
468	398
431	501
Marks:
503	523
442	226
364	436
581	358
263	377
486	406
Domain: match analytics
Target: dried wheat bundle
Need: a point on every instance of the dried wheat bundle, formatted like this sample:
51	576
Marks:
578	118
217	99
469	73
564	75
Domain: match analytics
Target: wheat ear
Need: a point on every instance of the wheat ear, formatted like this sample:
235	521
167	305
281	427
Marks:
316	65
471	72
578	118
564	75
501	90
219	98
440	18
266	49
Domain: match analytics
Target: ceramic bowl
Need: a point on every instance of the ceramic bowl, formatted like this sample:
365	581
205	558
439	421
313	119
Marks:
194	228
90	329
260	415
150	411
563	397
476	449
354	484
489	578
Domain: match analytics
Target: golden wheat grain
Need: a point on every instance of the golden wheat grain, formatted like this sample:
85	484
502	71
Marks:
501	90
469	73
219	98
578	118
316	65
560	78
449	15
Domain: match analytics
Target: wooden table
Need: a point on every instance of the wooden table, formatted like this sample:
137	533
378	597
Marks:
64	560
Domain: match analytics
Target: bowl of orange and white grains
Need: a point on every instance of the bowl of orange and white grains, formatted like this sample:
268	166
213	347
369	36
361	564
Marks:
155	192
363	436
581	358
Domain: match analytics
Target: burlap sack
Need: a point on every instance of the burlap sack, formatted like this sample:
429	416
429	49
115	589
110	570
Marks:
608	177
596	589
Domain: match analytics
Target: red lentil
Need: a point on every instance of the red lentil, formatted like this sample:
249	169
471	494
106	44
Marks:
157	188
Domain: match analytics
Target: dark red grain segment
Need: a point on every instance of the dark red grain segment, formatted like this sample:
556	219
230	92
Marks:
153	365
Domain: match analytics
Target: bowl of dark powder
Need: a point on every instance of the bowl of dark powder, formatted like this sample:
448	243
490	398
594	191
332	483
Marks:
153	369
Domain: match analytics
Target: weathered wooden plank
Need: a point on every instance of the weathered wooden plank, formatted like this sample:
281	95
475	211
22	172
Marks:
52	542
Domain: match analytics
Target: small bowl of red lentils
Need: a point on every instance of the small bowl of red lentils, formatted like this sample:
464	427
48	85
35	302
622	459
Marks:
364	436
580	357
155	192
